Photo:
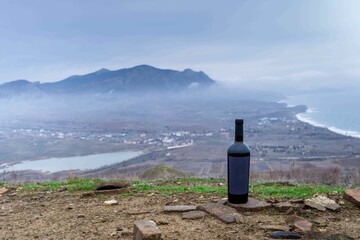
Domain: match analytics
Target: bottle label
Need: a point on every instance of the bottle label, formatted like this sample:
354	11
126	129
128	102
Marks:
238	175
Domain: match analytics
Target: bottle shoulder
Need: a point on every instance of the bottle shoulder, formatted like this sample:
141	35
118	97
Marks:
239	147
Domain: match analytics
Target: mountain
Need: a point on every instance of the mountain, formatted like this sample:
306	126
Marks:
136	79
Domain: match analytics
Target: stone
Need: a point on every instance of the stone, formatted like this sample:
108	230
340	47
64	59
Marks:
247	213
353	196
239	218
146	230
4	191
290	210
112	185
283	206
275	228
299	201
303	226
224	213
111	202
193	215
285	235
81	216
322	201
179	208
252	205
300	224
314	205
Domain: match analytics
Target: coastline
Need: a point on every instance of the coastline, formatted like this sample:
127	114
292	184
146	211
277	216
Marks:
302	117
347	133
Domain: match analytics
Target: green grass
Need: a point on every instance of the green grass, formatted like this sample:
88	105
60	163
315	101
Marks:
190	185
71	185
277	190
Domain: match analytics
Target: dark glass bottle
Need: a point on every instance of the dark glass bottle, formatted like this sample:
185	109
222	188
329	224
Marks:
238	164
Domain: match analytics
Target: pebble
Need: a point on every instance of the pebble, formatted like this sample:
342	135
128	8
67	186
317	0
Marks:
111	202
247	213
179	208
285	235
193	215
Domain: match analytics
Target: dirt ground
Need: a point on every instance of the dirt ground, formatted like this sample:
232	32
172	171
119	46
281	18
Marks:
64	215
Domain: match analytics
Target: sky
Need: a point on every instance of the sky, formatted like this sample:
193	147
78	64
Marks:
260	42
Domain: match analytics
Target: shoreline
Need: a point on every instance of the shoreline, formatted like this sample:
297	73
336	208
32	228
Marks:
303	118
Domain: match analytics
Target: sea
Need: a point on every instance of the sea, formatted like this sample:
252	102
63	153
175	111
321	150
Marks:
338	111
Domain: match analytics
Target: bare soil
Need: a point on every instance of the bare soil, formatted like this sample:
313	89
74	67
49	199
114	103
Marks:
64	215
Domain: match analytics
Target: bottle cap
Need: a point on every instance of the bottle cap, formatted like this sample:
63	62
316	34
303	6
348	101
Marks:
239	121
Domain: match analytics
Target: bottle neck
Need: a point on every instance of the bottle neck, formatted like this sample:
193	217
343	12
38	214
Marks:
239	132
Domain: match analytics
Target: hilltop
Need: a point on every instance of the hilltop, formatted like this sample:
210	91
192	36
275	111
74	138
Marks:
72	210
136	79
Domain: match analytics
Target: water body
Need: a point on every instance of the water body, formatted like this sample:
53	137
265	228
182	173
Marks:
74	163
337	111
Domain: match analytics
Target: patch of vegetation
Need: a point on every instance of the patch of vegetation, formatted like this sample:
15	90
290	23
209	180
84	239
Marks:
71	185
192	185
285	191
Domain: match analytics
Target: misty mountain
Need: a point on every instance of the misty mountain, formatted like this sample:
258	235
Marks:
136	79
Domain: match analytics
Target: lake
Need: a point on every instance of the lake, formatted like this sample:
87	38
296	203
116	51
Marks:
73	163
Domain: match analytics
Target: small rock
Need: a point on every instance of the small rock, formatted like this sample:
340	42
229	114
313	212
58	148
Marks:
239	218
193	215
113	234
81	216
4	191
275	228
299	201
315	205
247	213
112	185
283	206
224	213
285	235
300	224
303	226
252	204
220	184
353	196
290	210
322	201
179	208
146	230
111	202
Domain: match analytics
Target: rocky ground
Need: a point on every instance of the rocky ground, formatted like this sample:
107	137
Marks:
64	215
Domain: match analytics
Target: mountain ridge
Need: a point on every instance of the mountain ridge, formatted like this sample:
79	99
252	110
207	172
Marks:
134	79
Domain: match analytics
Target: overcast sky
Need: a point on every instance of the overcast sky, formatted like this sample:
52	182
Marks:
258	41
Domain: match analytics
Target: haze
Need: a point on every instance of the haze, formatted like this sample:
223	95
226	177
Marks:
236	42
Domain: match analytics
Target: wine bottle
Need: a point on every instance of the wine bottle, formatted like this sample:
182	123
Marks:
238	164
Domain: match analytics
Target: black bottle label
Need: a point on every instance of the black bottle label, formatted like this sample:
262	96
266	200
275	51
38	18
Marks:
238	175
